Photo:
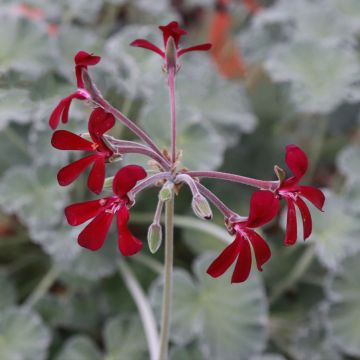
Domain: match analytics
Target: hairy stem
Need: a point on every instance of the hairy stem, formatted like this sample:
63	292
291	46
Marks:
99	100
171	84
168	270
265	185
144	308
149	181
217	202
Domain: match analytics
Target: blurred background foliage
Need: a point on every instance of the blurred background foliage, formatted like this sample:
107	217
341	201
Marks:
279	72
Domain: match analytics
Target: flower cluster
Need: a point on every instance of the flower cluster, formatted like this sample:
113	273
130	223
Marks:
101	148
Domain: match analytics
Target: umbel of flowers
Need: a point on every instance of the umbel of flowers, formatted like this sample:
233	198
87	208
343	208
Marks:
100	149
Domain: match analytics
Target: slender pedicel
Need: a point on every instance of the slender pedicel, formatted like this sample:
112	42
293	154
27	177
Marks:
149	181
144	151
261	184
99	100
228	214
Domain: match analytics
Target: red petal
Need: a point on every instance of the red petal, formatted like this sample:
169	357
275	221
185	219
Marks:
63	105
291	224
69	173
243	263
93	236
83	58
264	206
126	178
77	214
97	175
127	242
306	217
66	140
296	160
261	249
225	259
147	45
99	123
314	195
201	47
174	30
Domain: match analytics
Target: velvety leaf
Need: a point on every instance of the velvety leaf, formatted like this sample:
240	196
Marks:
79	348
31	53
223	329
33	194
307	65
348	162
15	106
23	335
334	231
124	338
344	314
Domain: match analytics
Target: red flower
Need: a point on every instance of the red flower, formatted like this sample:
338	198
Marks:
82	61
292	192
100	121
174	31
263	207
103	210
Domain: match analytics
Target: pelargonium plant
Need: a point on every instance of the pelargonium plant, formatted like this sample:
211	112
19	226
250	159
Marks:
169	176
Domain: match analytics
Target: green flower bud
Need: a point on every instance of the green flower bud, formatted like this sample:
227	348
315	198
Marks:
201	207
154	237
166	192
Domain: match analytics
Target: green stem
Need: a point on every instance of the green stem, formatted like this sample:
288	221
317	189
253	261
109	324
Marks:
168	270
144	308
43	286
297	272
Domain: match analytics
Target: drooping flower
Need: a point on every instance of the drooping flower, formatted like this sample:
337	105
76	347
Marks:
100	122
102	211
170	31
292	192
82	61
263	208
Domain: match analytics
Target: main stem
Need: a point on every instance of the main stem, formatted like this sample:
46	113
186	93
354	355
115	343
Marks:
168	269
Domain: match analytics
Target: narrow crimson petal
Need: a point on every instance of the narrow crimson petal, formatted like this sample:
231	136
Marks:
291	224
314	195
306	217
225	259
69	173
264	206
142	43
126	178
83	58
63	105
243	263
127	242
296	160
99	123
94	234
77	214
97	175
261	249
66	140
201	47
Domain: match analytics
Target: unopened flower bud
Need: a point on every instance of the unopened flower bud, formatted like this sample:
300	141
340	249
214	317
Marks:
201	207
166	192
108	182
154	237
